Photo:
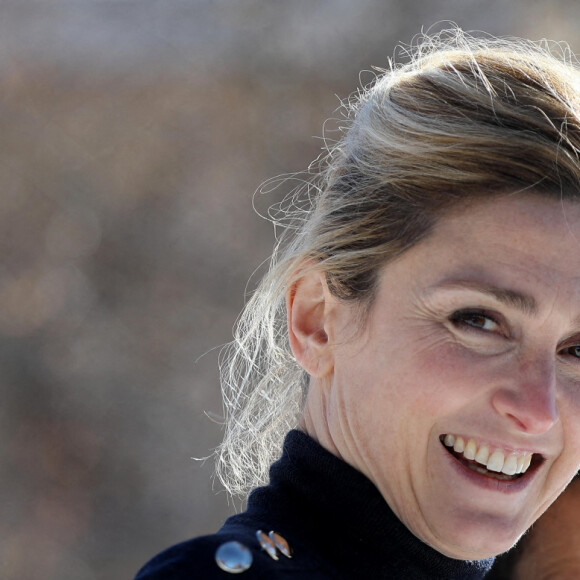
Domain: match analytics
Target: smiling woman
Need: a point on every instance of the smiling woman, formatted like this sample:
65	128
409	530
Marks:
450	386
414	351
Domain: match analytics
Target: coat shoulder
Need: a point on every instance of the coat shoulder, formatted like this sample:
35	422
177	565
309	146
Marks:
219	556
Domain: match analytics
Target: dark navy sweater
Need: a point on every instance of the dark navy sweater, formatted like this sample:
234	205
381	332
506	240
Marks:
335	520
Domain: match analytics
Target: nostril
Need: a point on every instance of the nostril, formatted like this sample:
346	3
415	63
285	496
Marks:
519	423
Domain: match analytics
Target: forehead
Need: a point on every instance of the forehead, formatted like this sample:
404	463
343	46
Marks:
514	242
522	223
515	214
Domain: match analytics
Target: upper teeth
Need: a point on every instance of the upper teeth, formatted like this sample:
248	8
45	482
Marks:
499	460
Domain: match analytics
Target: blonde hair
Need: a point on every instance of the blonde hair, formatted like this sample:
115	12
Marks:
463	118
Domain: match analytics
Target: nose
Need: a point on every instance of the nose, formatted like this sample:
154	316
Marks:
529	400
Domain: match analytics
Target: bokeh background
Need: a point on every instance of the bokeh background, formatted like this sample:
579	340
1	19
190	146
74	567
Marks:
133	135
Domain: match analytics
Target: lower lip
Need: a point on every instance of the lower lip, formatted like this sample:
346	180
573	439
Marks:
490	483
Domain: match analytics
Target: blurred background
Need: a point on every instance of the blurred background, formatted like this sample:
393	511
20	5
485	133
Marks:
133	135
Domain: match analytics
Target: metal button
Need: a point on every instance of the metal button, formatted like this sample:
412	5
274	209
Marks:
233	557
268	544
281	544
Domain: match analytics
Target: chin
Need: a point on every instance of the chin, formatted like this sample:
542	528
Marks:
479	542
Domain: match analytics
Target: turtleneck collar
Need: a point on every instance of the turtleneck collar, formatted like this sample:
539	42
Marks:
339	513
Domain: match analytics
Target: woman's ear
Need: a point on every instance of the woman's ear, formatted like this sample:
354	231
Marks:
308	303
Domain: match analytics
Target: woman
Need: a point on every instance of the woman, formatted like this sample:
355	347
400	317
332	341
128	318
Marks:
418	333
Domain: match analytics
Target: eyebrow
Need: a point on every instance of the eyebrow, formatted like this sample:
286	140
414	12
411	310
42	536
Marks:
512	298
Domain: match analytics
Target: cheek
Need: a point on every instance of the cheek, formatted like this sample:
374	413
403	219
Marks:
570	418
446	374
423	373
568	402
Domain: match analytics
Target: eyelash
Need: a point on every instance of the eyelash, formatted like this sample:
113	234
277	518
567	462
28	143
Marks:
461	320
565	351
461	317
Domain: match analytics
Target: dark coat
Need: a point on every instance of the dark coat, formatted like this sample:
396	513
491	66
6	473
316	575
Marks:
334	520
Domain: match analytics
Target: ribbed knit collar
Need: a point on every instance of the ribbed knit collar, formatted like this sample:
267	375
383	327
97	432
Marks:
335	509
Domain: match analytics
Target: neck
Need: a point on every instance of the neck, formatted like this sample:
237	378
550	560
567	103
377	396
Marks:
315	421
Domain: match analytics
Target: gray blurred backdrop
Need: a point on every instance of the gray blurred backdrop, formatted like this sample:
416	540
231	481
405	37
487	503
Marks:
133	135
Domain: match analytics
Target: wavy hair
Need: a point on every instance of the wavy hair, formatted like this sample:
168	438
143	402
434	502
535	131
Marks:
460	118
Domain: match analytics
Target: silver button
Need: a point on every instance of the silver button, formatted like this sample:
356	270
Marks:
267	544
233	557
281	544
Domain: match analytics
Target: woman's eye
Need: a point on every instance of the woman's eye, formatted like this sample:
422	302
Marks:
475	320
573	350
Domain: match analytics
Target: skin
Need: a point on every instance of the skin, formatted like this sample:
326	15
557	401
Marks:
551	549
440	353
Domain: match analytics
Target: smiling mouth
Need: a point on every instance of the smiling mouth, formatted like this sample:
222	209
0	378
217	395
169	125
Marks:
493	463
